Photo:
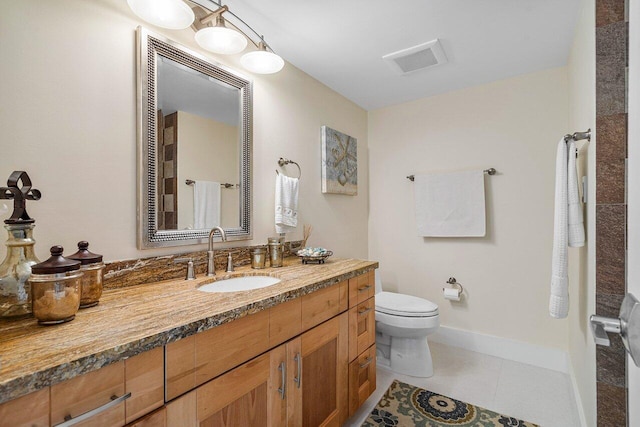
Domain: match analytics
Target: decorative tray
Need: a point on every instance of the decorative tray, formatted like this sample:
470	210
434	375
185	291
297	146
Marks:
313	255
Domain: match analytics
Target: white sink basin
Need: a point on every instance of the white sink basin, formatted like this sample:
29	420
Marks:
237	284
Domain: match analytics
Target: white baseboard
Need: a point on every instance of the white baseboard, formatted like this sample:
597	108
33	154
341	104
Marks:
576	395
504	348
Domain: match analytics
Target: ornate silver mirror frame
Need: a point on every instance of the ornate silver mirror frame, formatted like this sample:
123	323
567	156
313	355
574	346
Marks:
149	46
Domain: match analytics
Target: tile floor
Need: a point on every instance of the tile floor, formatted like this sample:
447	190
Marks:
538	395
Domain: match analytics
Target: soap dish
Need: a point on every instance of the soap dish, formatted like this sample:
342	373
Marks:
314	259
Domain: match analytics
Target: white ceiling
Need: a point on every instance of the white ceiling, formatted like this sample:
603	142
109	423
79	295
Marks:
341	43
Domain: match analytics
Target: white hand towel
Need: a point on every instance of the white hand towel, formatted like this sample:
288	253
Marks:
575	220
559	299
286	203
206	204
450	204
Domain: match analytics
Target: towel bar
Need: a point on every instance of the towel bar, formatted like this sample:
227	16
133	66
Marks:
282	161
490	171
223	184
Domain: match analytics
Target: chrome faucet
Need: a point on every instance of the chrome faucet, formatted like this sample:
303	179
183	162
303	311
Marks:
211	268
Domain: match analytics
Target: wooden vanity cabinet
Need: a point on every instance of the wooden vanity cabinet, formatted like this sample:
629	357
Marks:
303	381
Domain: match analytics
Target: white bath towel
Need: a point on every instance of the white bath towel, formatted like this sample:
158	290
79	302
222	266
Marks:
575	219
286	203
559	299
450	204
206	204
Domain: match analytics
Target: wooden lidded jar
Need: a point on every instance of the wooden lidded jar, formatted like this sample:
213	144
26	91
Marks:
55	286
93	268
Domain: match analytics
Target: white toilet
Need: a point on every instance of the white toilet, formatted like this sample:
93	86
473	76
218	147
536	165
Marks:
402	325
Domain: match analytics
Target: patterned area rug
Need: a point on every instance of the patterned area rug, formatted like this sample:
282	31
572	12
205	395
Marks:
404	405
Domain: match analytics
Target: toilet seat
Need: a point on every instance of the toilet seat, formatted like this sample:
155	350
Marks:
404	305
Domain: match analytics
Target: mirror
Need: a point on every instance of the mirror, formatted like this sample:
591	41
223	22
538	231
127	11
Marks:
194	146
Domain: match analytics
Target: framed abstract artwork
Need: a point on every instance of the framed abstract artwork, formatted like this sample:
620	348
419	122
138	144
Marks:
339	162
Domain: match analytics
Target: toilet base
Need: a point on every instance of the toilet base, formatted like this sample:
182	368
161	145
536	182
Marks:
407	356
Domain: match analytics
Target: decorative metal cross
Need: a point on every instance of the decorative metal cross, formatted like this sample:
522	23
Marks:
20	195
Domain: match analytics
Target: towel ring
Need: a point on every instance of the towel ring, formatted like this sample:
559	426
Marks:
282	162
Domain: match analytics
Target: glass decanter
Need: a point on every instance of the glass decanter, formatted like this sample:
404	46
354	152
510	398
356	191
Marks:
15	292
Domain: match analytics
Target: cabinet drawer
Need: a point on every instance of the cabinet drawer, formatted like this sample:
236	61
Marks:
144	379
362	327
86	392
362	378
222	348
323	305
31	410
180	368
285	322
361	288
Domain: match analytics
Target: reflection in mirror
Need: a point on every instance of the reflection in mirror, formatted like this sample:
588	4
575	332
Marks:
195	145
198	147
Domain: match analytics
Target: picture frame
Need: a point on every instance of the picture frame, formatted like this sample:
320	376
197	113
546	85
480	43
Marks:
339	162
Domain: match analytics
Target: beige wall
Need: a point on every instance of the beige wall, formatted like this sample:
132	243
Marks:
207	151
582	260
68	117
513	126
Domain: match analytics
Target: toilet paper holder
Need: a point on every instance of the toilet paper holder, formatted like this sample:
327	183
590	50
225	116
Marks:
453	282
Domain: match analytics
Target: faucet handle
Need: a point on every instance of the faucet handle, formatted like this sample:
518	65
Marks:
229	263
191	272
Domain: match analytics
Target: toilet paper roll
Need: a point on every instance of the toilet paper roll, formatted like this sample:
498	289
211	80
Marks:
451	294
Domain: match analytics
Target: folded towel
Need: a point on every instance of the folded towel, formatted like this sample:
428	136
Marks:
286	203
450	204
559	299
206	205
575	220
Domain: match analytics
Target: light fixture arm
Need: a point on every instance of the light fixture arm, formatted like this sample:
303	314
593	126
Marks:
225	9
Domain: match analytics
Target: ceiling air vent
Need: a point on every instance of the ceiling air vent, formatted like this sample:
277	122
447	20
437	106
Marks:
416	58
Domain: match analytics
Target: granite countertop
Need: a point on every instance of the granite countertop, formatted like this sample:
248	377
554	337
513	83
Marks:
132	320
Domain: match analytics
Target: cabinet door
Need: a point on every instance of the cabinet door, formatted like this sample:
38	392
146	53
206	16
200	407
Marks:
324	373
251	395
294	383
90	391
181	412
362	378
362	327
157	418
31	410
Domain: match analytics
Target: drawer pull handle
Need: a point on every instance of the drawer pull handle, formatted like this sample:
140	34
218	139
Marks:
283	389
365	311
366	363
298	377
364	288
115	401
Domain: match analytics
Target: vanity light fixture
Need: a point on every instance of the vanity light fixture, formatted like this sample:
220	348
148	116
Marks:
171	14
219	38
212	32
262	61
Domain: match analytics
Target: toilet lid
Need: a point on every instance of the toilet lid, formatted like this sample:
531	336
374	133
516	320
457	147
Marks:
404	305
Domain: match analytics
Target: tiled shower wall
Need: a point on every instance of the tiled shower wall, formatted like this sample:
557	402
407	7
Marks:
611	207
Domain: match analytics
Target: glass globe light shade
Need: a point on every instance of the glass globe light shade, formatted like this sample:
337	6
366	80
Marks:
221	40
171	14
262	62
